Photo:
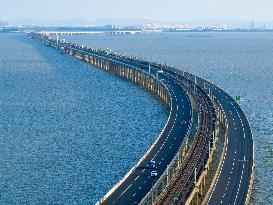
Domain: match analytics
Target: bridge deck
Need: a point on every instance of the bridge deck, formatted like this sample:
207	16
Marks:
140	182
234	179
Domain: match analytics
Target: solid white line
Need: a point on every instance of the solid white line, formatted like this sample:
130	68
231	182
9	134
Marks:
126	189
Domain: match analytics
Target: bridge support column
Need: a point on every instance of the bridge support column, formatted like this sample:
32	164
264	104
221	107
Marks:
88	57
132	75
121	71
143	80
103	65
100	64
160	91
127	74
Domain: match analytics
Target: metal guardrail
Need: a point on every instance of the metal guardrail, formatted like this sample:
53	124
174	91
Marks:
141	160
164	174
213	99
158	138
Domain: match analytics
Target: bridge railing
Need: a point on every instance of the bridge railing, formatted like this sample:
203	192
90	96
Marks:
139	162
221	119
155	142
97	60
163	182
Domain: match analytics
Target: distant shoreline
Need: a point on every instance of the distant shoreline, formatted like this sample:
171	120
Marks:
106	31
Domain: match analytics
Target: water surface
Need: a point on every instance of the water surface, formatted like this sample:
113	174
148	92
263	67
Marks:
68	131
240	63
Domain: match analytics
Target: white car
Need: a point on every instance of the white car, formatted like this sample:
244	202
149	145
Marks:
153	173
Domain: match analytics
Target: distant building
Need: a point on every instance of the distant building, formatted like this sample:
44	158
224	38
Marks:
163	26
223	26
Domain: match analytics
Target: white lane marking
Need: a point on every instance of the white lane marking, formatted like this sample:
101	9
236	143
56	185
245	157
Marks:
126	189
219	174
240	181
136	178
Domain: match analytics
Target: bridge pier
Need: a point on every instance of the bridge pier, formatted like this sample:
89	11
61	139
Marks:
136	76
140	77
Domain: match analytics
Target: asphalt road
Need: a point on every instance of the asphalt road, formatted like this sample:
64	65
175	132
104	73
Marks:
235	174
233	181
139	182
234	178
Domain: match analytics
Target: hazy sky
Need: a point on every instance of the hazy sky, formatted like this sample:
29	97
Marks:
164	10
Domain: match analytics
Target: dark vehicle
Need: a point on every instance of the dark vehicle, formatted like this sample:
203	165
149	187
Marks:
151	165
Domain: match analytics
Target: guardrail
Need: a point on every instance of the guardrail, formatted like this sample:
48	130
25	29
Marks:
150	149
139	162
78	53
149	197
248	197
221	117
173	165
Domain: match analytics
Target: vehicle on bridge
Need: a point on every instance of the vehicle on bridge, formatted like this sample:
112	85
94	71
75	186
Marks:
151	165
153	173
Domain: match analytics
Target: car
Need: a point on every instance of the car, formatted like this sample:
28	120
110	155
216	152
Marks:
151	165
153	173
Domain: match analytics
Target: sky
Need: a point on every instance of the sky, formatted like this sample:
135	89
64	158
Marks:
162	10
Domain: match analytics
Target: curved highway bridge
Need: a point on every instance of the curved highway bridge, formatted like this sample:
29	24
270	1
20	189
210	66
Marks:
181	171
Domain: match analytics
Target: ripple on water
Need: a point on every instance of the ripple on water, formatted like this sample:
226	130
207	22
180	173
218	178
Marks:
240	63
68	131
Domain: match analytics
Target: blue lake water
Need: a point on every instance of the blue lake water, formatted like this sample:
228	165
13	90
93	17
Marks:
240	63
68	131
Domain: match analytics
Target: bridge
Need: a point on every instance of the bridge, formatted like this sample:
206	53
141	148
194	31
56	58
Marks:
181	168
118	32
